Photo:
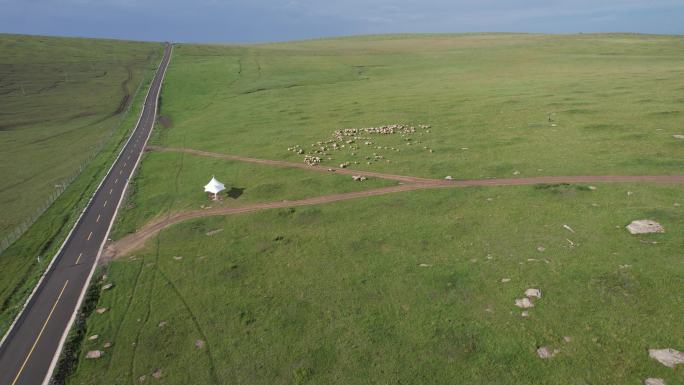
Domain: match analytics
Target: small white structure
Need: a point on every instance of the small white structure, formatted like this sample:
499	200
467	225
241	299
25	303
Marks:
214	187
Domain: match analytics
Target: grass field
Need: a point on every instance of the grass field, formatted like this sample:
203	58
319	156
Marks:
19	268
336	294
615	101
406	288
60	99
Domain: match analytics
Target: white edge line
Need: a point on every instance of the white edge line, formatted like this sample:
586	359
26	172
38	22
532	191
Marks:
62	341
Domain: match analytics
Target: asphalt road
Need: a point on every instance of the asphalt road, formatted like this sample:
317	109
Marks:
31	348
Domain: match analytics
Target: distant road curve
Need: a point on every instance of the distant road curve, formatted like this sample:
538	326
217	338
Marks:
31	348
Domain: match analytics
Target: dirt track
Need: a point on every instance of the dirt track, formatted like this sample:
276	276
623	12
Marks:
136	240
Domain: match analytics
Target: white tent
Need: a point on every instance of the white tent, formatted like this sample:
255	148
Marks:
214	187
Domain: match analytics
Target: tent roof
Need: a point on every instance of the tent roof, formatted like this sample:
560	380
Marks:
214	186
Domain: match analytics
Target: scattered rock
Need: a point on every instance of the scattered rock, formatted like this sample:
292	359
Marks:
157	374
644	226
107	286
107	345
524	303
141	379
93	337
541	249
94	354
213	232
568	228
630	193
162	324
358	178
525	313
177	258
667	357
101	310
567	339
516	172
505	280
654	381
199	344
678	136
592	188
529	293
546	352
424	265
448	177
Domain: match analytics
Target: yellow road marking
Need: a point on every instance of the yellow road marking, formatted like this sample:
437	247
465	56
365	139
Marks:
40	334
79	258
97	219
105	204
89	235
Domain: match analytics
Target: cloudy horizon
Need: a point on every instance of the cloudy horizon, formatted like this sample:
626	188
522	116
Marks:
244	21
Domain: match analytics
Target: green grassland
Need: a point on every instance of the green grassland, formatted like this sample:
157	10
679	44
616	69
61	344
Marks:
336	294
60	99
19	268
615	101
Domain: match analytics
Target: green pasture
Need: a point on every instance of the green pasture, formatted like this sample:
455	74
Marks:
403	288
60	100
497	103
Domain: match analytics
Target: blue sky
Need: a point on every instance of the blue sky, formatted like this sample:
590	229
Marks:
246	21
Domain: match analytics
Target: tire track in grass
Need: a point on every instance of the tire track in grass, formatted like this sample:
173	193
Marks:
136	341
212	367
134	292
155	265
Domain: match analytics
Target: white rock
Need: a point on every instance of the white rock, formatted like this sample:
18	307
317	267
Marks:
525	313
678	136
644	226
505	280
524	303
101	310
529	293
107	286
654	381
94	354
448	177
547	352
667	357
568	228
93	337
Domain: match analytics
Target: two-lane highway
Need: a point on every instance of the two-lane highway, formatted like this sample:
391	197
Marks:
31	348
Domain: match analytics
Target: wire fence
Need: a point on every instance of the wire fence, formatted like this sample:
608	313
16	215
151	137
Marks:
60	187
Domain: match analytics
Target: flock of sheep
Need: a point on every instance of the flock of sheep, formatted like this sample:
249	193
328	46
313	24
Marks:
350	139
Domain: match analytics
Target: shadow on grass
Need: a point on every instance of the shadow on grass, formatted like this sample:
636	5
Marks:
235	192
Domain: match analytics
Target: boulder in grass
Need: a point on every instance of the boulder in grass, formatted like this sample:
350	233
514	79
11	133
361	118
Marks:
94	354
157	374
93	337
667	357
547	352
107	286
654	381
678	136
529	293
101	310
524	303
644	226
